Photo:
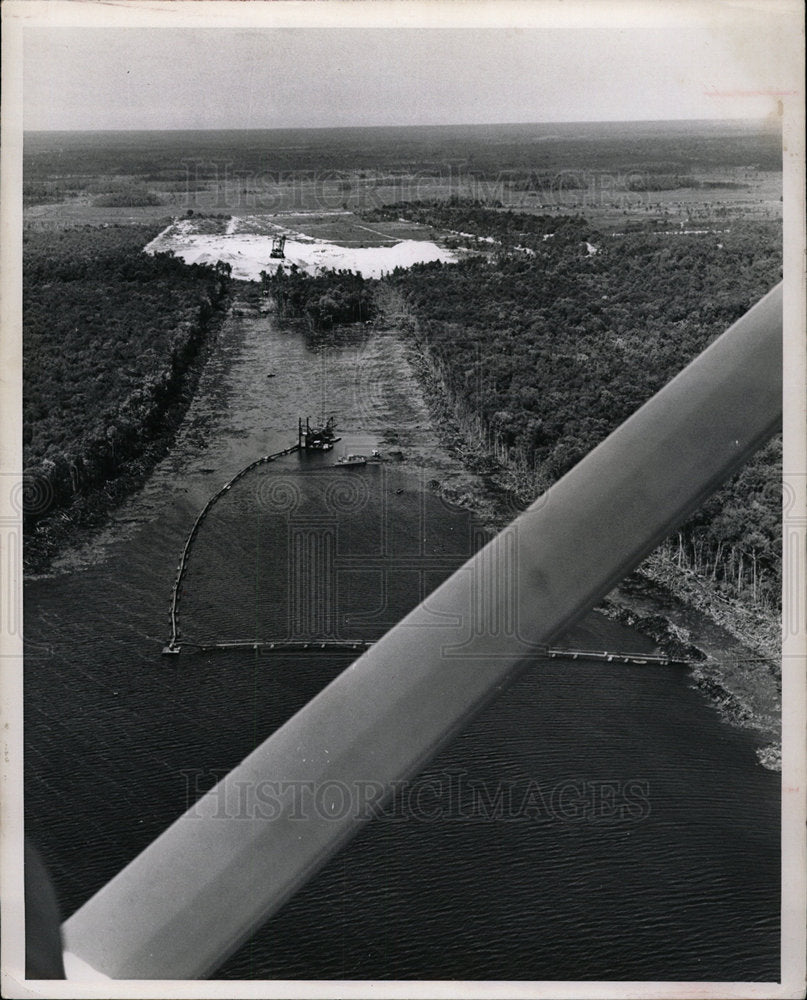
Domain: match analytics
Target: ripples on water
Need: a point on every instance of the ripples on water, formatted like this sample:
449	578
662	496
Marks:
681	885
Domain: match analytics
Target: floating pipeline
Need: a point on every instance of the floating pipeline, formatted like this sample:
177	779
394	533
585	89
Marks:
673	640
172	648
359	645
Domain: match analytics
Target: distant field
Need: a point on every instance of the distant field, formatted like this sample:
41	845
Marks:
341	227
67	216
183	158
318	209
668	170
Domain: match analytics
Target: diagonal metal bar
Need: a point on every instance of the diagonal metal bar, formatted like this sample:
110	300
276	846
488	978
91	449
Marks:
184	904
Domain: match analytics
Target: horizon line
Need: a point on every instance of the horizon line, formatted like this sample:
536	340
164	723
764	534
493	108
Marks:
336	128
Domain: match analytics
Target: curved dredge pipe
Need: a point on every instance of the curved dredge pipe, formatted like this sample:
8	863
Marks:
198	891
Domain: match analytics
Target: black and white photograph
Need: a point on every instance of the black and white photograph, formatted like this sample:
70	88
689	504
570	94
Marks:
402	502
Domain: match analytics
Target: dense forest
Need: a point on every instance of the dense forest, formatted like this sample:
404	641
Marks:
544	350
108	335
323	300
518	152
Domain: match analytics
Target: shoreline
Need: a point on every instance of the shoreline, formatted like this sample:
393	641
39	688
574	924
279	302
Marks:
740	672
736	649
69	527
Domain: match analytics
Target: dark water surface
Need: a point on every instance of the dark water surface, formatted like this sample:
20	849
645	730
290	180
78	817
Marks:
597	822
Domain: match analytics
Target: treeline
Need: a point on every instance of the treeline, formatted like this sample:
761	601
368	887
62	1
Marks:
323	300
458	152
111	192
543	354
735	537
484	219
108	334
129	196
51	192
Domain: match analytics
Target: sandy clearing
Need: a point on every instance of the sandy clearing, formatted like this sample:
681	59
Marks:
248	253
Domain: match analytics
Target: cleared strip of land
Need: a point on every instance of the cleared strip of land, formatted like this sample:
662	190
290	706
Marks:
247	248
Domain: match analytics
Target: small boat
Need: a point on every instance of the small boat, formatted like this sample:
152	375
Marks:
352	460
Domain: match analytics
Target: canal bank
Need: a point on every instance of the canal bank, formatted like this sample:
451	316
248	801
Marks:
735	648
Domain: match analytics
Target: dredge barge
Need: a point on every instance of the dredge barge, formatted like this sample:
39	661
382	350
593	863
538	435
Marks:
321	438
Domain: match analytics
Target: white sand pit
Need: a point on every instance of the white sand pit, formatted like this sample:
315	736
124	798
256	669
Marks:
249	253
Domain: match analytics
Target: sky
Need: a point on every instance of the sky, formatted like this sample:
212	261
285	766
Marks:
175	77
